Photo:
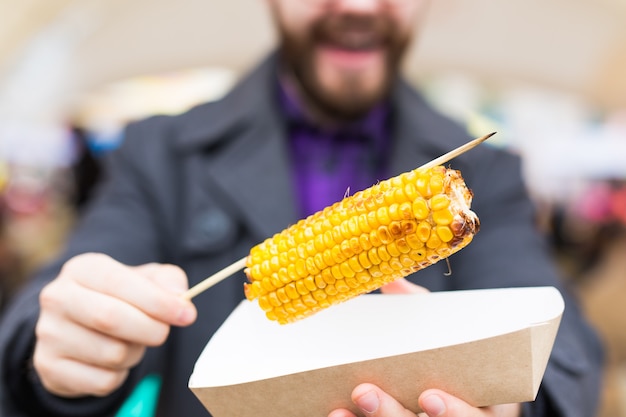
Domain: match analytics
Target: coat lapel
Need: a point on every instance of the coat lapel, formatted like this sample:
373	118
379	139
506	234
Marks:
250	169
255	176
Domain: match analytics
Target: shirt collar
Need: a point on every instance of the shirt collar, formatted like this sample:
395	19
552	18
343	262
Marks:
374	125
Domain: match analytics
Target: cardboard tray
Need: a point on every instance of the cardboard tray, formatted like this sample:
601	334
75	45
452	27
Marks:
485	346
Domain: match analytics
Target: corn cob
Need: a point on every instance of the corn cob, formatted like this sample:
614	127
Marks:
357	245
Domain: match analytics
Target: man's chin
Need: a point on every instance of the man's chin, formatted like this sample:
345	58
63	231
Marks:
351	98
347	107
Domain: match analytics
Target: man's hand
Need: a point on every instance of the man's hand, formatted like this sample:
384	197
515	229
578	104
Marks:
374	402
97	318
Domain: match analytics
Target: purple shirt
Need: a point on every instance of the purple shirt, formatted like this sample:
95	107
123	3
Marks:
328	161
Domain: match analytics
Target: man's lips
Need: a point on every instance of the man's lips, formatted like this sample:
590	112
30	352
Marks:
350	59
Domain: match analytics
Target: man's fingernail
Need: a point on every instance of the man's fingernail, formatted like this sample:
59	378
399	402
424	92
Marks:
433	405
368	402
186	315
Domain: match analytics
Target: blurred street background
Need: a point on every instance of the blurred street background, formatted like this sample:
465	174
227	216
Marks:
548	75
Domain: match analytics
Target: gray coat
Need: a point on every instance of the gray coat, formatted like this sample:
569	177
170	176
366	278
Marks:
200	189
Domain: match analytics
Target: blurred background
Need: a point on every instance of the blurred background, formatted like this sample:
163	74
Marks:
548	75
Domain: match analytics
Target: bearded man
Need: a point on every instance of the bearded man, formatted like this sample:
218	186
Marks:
327	111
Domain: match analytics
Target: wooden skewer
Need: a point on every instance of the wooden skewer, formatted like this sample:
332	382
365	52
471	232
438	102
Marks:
215	278
240	264
456	152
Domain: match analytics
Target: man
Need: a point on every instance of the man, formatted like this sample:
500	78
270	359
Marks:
199	190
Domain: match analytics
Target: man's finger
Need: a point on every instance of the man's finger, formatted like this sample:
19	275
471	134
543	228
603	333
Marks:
70	378
437	403
374	402
169	277
402	286
125	283
104	314
65	339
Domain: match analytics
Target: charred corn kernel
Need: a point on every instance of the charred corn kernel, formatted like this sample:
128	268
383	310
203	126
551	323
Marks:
384	235
414	241
394	228
402	245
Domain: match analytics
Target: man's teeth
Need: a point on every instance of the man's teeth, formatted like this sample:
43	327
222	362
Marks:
357	44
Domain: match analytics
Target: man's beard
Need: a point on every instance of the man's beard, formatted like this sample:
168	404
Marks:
351	32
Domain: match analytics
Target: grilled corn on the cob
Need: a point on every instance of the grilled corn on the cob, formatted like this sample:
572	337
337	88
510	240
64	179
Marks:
388	231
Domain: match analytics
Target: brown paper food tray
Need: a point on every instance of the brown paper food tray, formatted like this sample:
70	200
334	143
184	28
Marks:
485	346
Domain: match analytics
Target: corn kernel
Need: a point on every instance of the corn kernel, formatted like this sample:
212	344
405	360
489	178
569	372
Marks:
444	233
442	217
420	208
439	202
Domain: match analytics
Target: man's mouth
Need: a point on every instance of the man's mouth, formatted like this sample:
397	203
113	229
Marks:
357	41
352	50
350	58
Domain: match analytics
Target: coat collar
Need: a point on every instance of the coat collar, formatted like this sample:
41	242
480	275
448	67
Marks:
250	102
